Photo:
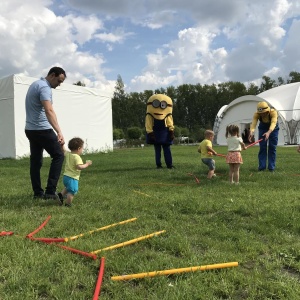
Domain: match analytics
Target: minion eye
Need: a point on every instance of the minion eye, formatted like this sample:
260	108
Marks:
163	104
156	103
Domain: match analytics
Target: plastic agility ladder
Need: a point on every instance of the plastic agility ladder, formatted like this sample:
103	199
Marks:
175	271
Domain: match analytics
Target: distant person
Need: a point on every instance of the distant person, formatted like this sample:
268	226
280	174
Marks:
44	133
245	135
234	157
73	167
206	150
267	131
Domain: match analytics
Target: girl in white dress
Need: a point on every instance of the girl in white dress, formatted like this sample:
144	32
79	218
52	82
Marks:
234	157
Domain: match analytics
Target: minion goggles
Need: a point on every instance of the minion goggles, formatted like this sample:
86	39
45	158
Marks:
156	104
261	109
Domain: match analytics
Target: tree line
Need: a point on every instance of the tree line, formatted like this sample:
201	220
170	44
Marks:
195	106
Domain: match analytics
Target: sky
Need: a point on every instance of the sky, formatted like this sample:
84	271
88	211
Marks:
150	43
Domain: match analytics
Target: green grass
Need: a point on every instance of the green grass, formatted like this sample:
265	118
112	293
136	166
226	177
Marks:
255	224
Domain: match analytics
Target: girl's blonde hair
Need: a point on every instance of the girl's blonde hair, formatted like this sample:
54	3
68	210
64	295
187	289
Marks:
232	130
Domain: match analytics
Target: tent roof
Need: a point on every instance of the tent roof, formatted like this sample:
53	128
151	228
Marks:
285	99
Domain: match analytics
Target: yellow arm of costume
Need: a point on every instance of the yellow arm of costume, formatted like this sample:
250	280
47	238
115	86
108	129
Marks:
149	123
254	122
169	122
274	117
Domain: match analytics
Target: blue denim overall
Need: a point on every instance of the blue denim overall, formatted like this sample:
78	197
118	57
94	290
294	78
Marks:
265	151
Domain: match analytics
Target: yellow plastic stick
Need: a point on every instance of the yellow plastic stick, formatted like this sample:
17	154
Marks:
98	229
175	271
129	242
141	193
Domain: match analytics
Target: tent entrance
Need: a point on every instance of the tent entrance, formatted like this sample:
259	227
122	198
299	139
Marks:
245	130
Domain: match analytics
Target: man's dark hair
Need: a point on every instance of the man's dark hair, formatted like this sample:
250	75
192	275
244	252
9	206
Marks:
75	143
57	71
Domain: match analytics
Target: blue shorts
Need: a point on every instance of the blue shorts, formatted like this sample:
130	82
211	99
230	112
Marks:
70	184
209	162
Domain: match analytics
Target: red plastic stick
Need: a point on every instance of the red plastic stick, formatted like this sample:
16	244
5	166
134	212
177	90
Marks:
210	153
197	180
39	228
49	240
2	233
99	280
254	143
76	251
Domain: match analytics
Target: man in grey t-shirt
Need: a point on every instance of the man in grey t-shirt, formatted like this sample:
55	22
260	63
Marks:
43	132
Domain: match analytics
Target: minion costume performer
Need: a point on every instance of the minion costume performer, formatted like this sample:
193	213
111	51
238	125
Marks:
160	128
268	131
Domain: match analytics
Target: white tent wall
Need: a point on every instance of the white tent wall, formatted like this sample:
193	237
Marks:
7	125
239	112
81	111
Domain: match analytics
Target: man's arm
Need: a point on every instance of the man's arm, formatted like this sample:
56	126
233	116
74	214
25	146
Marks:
51	116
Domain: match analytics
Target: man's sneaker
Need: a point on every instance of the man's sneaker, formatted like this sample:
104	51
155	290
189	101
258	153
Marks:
54	197
38	196
61	198
68	204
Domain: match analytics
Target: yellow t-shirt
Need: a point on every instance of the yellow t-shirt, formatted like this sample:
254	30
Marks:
203	147
72	160
271	117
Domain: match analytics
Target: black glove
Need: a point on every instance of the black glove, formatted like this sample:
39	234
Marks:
151	137
172	135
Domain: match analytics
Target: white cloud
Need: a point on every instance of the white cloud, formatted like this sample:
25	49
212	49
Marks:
83	28
290	53
33	38
118	36
216	40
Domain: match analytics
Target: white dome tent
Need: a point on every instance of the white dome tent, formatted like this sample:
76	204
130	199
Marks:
285	99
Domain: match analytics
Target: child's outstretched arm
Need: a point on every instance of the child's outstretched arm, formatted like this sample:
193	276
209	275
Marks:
210	149
243	146
84	166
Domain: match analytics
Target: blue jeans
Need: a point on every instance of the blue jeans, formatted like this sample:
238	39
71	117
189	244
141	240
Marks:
41	140
267	153
209	162
167	154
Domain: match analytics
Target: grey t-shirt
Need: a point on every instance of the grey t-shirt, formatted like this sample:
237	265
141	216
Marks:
36	118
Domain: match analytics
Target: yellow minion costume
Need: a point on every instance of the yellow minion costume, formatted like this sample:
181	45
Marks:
268	130
160	128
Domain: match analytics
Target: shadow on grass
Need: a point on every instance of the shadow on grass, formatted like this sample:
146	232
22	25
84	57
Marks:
19	202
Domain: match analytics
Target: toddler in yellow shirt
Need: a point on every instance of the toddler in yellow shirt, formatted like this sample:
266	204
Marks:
73	167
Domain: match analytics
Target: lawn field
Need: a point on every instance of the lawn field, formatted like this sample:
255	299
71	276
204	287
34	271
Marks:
255	223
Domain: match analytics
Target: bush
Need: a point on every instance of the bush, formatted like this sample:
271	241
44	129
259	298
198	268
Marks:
134	133
118	134
177	131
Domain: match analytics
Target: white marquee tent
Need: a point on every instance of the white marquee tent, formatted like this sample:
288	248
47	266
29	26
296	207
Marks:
285	99
81	112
